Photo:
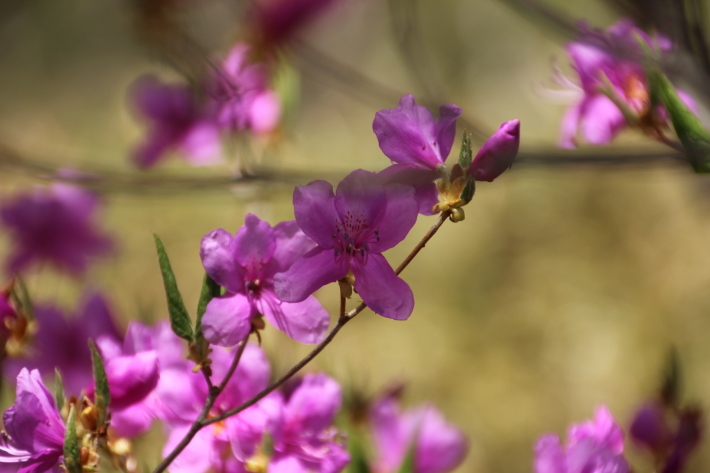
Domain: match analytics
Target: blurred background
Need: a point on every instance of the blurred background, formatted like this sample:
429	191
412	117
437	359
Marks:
566	286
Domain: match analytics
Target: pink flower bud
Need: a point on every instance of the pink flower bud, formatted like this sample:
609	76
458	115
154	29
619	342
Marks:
497	153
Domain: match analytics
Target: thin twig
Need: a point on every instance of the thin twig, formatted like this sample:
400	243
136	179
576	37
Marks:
212	396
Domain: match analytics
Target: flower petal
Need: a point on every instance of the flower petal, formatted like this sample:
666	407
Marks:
549	456
291	244
446	128
601	120
313	405
306	321
252	375
570	124
254	243
420	179
360	196
398	218
390	435
226	321
131	378
440	447
199	454
201	144
381	289
133	420
314	206
219	260
309	273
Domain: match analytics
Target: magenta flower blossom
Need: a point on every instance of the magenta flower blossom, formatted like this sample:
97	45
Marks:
140	374
35	430
53	225
300	426
352	228
241	95
245	265
592	447
418	144
439	447
497	153
614	54
175	123
62	342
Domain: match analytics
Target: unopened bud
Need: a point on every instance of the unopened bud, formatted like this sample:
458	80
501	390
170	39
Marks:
497	153
650	428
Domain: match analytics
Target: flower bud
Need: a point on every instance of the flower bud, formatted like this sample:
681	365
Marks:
650	428
497	153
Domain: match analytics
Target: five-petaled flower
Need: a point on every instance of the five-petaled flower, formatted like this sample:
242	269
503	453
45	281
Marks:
245	265
352	227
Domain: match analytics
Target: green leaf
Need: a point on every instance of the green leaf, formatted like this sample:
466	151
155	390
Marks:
179	318
24	299
210	290
695	138
72	460
466	154
407	465
468	190
671	386
58	390
358	458
102	396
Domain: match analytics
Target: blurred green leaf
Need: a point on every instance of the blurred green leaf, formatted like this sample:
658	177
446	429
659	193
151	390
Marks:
468	190
695	138
466	154
179	318
671	386
72	460
102	396
407	465
58	390
358	457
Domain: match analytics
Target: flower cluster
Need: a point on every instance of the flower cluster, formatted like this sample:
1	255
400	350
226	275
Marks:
613	88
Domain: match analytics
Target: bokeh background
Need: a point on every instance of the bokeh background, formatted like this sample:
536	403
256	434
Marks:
565	287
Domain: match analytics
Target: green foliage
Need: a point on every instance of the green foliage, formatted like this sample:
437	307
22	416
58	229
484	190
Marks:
58	389
466	154
72	460
358	457
468	190
210	290
407	465
102	396
179	318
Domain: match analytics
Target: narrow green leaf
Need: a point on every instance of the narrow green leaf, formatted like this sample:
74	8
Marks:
407	465
358	458
24	298
210	290
72	460
58	390
671	386
102	396
695	138
468	190
179	318
466	154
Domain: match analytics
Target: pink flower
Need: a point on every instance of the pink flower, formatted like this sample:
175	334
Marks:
613	55
54	225
352	227
241	97
439	447
595	446
35	430
277	21
175	123
245	265
497	153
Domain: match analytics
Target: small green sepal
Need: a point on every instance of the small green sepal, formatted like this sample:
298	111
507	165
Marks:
59	397
72	457
102	396
179	319
466	154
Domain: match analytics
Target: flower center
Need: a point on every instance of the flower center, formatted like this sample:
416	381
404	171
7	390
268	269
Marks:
353	237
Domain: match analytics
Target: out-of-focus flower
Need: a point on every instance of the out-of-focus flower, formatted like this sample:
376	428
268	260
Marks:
16	327
176	122
241	97
595	446
417	144
34	429
277	21
54	225
184	396
245	265
614	90
497	153
62	342
352	227
140	374
669	435
438	446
